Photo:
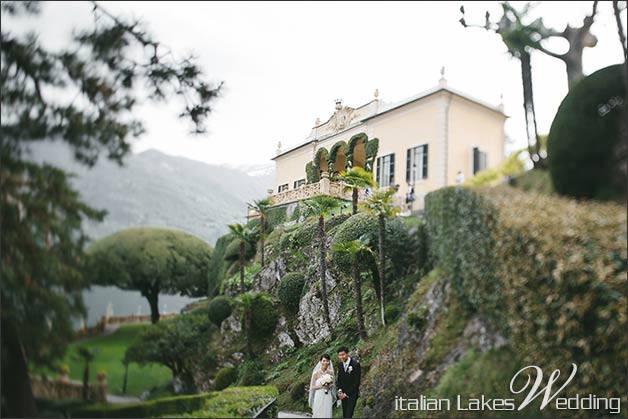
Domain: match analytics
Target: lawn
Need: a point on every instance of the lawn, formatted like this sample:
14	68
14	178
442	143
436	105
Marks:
110	352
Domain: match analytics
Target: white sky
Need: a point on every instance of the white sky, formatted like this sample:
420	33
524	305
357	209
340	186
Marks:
283	64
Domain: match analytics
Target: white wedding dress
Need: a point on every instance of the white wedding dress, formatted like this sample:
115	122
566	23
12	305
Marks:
320	402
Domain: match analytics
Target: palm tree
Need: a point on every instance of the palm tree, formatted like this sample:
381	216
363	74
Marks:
356	178
380	204
246	235
355	250
319	206
262	206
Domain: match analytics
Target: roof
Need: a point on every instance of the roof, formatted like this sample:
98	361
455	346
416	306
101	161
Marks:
393	106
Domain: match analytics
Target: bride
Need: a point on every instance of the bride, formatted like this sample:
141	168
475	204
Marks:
322	388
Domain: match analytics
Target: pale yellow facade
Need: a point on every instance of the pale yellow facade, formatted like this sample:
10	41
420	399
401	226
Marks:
449	122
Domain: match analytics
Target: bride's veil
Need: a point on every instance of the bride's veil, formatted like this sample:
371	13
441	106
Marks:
332	388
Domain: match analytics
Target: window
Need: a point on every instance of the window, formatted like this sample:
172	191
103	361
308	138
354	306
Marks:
385	175
298	183
416	162
479	160
282	188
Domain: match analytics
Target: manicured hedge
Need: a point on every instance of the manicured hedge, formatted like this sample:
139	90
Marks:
290	290
225	377
232	402
550	272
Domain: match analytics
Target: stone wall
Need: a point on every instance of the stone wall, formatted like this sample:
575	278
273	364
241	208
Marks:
62	388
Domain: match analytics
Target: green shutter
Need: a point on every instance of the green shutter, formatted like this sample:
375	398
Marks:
409	165
392	169
425	161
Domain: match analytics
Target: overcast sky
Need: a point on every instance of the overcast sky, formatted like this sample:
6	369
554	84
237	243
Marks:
284	64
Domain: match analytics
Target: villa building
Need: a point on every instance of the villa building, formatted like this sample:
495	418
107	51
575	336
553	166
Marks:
422	143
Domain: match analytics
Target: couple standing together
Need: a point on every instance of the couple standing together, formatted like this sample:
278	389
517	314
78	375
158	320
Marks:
326	386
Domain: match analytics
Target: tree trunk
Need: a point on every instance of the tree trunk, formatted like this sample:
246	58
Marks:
242	250
261	237
322	241
153	302
355	200
534	144
247	325
16	383
381	265
357	293
126	377
86	381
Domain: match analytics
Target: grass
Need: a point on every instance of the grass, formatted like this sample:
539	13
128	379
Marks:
110	352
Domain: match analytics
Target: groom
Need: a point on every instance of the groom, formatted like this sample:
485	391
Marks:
348	381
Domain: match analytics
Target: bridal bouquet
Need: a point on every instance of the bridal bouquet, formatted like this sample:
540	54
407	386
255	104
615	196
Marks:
326	381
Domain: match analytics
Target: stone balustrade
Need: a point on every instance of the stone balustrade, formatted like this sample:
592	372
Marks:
324	186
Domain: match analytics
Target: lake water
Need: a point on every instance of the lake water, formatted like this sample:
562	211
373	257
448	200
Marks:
124	303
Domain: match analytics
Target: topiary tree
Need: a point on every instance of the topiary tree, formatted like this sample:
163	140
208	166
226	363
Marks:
586	152
290	290
153	261
218	309
259	318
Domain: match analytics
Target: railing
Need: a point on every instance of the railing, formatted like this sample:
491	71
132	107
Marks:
268	410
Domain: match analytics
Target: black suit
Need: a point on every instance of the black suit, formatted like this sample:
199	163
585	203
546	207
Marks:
349	382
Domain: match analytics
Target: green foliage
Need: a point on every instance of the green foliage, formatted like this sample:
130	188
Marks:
232	251
391	313
512	166
417	318
251	373
310	173
535	180
219	309
41	214
584	145
320	161
357	177
549	272
371	148
290	290
459	220
233	282
138	258
176	343
225	377
399	254
232	402
275	217
263	315
218	265
360	138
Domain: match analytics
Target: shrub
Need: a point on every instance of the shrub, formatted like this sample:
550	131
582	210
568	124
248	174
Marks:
584	146
397	243
219	309
218	265
290	291
416	319
391	313
264	317
275	217
297	392
225	377
251	373
550	272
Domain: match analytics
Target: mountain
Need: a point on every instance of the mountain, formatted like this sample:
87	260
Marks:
156	189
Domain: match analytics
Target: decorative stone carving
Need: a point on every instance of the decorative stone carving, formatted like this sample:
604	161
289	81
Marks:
342	118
